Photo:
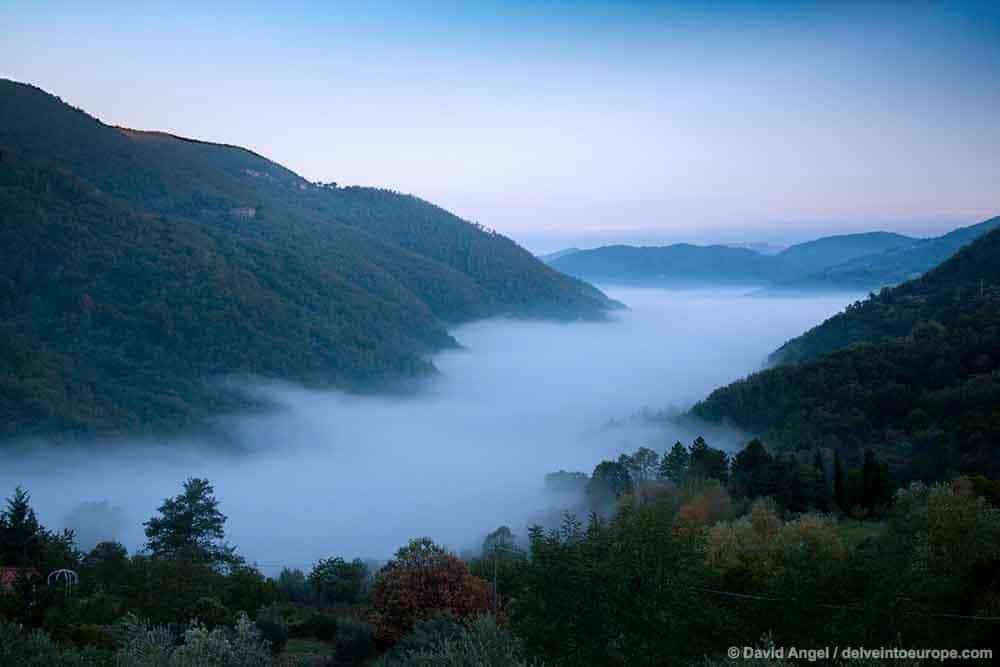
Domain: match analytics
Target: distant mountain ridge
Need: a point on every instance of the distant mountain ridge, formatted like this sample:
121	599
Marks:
895	264
678	263
548	258
138	265
848	262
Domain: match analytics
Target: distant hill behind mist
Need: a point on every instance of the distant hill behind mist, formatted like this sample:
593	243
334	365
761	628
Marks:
138	266
847	262
548	258
895	264
678	263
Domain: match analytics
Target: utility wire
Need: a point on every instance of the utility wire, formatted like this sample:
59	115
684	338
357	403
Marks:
855	607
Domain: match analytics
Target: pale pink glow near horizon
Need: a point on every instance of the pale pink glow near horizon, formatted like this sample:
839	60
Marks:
559	127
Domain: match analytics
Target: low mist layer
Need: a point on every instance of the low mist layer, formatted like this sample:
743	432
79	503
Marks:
334	474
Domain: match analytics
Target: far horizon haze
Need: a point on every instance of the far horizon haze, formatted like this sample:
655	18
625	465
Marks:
569	124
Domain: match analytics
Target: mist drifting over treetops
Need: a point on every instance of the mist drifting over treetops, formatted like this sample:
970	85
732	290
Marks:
331	473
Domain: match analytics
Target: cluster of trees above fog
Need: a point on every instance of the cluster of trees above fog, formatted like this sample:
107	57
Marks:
798	484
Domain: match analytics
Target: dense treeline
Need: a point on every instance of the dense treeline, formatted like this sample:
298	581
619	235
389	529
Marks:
138	267
912	373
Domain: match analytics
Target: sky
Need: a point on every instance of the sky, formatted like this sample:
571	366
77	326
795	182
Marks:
567	123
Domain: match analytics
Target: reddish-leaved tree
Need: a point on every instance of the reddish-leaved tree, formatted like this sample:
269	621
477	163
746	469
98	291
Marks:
422	580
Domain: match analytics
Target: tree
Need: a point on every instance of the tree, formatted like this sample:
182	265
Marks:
674	466
707	462
20	532
874	483
611	479
422	580
642	465
753	471
501	562
839	484
339	582
190	526
24	542
501	540
107	564
292	585
247	589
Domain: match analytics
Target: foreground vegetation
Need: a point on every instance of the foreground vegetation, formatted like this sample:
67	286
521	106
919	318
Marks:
667	558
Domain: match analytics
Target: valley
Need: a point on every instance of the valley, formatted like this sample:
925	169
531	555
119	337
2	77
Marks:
466	452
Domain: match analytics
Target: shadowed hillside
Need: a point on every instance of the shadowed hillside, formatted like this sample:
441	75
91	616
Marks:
138	267
911	373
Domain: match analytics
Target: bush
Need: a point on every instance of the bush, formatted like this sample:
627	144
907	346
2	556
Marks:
355	641
95	636
33	648
322	626
484	642
147	646
273	632
427	635
21	646
211	612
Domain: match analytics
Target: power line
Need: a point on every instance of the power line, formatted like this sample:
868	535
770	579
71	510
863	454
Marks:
853	606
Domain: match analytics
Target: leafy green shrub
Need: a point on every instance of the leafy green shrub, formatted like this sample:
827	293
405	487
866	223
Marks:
355	641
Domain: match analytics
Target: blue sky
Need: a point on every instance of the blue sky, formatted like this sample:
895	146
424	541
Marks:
572	123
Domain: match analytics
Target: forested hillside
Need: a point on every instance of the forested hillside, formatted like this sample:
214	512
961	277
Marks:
139	267
912	373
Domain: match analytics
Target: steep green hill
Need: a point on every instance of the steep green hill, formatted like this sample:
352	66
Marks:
138	268
913	373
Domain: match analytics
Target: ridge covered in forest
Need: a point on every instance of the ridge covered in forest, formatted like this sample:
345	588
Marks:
139	267
911	373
